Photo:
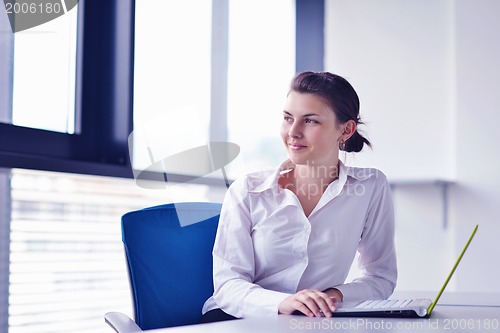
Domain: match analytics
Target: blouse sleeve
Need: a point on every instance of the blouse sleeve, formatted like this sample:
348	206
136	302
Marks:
377	254
233	261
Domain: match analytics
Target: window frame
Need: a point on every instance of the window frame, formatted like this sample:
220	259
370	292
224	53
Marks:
309	35
5	216
104	90
103	101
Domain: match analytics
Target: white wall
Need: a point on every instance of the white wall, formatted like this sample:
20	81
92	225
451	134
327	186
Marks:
477	196
398	55
427	73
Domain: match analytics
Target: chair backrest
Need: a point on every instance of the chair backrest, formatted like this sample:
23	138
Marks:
169	258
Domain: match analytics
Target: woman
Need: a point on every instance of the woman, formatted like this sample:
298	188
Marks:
286	239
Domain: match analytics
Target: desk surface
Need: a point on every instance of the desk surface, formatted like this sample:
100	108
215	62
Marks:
444	318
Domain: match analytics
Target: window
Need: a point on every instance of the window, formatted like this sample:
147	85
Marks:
44	80
171	78
261	65
261	62
174	93
194	62
65	91
66	259
67	264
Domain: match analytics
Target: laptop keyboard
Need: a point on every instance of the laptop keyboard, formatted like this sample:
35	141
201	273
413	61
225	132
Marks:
385	303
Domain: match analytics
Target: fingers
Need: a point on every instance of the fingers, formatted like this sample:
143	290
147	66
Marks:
315	303
309	302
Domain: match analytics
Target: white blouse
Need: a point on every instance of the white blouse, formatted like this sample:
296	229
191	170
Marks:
267	249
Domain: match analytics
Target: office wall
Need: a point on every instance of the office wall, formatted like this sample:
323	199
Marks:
397	54
477	196
426	72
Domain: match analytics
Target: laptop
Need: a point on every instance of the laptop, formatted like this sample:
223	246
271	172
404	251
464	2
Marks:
410	308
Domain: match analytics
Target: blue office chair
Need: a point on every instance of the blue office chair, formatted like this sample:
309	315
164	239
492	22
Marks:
169	259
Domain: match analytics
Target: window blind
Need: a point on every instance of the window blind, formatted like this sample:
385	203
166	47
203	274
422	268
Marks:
67	264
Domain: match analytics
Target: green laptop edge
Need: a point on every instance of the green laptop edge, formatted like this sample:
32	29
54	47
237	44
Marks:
433	304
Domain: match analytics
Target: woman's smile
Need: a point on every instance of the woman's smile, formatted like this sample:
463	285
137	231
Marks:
296	146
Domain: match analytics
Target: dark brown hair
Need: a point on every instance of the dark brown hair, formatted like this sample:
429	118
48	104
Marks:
339	95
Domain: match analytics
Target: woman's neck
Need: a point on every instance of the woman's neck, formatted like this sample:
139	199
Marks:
310	178
317	173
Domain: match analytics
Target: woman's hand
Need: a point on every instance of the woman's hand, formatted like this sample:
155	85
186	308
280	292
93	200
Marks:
309	302
334	293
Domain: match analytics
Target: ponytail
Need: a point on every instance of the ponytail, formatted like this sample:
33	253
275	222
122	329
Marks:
356	142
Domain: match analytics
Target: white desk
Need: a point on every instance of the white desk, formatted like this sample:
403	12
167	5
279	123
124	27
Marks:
474	317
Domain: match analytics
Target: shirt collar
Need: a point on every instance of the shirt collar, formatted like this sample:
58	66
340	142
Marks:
358	173
271	181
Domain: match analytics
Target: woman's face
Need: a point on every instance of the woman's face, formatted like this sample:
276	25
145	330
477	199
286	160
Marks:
309	130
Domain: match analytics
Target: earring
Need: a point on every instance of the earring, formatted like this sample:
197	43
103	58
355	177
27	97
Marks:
342	145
